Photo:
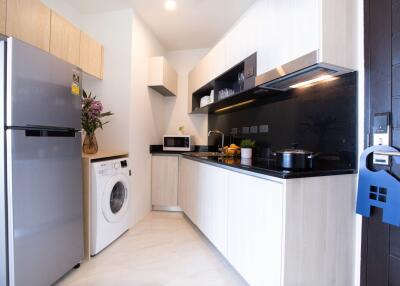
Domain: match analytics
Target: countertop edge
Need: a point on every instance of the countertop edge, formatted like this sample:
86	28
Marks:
268	174
265	174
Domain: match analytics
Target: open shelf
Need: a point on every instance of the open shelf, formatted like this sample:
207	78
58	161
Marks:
244	99
228	80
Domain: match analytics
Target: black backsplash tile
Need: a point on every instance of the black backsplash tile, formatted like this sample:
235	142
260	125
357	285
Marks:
321	118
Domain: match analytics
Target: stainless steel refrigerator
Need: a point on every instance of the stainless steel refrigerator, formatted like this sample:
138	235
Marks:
41	196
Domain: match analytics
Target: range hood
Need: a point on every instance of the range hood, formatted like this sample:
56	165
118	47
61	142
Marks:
300	72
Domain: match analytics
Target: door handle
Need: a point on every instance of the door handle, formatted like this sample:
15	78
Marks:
394	154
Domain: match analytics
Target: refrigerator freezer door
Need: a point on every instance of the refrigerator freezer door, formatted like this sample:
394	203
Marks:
45	206
3	226
41	89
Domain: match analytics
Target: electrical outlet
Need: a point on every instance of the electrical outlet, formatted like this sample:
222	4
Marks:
254	129
264	128
245	130
234	131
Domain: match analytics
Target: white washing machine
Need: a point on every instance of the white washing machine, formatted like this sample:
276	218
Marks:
111	208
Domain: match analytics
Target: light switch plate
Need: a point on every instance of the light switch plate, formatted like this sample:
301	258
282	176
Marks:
264	128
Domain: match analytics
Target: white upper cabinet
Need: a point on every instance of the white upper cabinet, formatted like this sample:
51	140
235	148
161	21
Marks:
162	77
281	31
241	41
338	28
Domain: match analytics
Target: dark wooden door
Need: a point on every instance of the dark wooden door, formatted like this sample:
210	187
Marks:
381	242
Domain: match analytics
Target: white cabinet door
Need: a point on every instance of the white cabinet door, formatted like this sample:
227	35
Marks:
216	64
202	197
164	180
255	225
188	173
212	200
241	41
183	184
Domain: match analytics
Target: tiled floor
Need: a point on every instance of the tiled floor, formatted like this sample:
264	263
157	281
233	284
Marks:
164	249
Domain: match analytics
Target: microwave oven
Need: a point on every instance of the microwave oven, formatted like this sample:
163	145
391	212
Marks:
178	143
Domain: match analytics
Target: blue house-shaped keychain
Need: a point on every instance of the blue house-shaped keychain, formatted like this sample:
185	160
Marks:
379	189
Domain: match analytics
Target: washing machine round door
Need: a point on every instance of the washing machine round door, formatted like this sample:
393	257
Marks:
115	199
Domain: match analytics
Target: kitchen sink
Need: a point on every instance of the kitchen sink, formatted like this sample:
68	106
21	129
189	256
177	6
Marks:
206	154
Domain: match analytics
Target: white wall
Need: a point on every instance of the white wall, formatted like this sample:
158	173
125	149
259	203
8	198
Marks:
63	8
147	123
176	107
114	90
139	111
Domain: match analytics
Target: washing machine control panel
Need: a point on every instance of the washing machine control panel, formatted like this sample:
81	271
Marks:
109	167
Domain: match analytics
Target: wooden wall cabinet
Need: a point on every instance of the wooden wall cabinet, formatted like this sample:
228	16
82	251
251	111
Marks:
64	39
162	77
3	16
34	23
29	21
164	182
91	56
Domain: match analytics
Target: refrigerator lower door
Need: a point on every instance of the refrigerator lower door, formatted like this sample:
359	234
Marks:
42	90
44	187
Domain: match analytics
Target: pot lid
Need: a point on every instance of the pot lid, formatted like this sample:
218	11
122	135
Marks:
294	151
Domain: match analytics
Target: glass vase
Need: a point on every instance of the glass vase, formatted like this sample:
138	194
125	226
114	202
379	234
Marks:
90	144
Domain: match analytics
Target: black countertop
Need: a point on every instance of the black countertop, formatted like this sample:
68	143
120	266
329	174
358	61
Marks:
268	167
261	166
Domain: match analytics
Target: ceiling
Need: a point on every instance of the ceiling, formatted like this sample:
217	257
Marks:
194	24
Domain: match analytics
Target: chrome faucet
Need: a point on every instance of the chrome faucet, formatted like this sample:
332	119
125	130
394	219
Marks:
220	133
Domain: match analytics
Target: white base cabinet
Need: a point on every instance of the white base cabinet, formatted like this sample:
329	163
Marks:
274	231
254	230
204	201
164	182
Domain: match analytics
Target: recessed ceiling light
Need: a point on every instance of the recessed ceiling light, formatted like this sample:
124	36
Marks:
170	5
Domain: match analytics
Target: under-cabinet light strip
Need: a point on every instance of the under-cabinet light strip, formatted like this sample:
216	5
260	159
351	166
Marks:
235	105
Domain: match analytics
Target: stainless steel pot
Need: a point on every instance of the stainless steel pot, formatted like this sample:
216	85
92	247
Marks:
295	159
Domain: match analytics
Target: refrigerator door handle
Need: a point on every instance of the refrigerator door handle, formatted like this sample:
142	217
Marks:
49	133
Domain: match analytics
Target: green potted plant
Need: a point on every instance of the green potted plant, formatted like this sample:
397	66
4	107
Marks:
92	113
247	146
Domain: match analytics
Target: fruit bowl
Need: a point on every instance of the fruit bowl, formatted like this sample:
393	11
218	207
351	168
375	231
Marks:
232	150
